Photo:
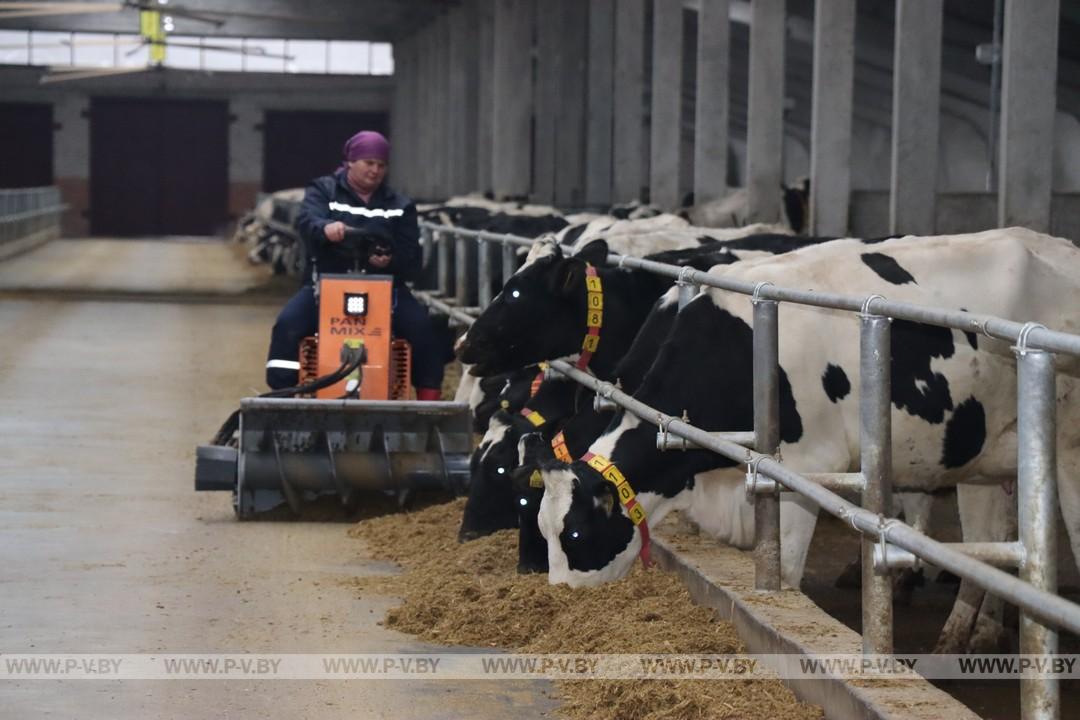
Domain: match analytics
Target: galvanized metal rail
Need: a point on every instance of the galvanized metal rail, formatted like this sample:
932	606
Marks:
886	543
27	212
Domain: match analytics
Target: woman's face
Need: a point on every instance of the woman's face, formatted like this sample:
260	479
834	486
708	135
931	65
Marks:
367	175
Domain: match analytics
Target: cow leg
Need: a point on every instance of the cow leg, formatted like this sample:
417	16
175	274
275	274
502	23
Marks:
1068	481
987	514
798	516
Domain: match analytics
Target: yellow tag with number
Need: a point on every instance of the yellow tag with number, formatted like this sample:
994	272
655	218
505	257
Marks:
613	475
591	343
626	493
595	318
593	284
536	480
596	301
535	418
598	463
637	514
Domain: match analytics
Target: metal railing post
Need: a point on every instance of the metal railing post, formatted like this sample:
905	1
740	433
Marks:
766	440
443	240
687	291
508	258
483	273
461	271
425	245
1037	518
875	439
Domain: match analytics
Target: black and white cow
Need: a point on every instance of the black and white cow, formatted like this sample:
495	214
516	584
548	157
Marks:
491	503
541	312
732	210
953	394
473	212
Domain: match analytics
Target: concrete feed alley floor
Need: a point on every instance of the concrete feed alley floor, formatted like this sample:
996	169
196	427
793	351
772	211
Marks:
116	362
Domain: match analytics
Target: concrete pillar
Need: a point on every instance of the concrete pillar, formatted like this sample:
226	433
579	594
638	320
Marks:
484	94
600	98
245	156
71	161
512	98
1028	101
666	117
570	119
830	123
630	155
423	112
765	111
916	104
443	150
458	152
398	165
470	58
547	99
413	117
711	121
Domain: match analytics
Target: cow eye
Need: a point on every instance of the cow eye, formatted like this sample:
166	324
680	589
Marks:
523	502
574	535
515	293
501	471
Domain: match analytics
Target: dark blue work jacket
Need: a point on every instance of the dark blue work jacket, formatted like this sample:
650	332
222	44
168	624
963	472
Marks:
390	216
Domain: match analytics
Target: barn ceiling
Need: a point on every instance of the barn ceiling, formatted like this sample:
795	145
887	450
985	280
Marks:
374	20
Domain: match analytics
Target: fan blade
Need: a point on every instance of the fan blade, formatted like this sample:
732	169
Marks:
64	74
12	10
202	16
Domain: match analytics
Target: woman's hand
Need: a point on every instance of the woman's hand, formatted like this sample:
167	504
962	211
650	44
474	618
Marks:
335	231
379	258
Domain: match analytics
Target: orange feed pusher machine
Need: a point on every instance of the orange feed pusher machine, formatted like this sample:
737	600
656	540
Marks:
348	426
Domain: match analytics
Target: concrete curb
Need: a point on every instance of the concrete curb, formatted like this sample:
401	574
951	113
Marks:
787	622
27	243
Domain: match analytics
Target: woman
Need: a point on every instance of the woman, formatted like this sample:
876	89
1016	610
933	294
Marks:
356	197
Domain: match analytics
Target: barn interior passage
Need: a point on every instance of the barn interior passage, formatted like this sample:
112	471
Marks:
106	547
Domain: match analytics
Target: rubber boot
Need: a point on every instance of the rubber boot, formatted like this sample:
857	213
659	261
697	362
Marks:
428	394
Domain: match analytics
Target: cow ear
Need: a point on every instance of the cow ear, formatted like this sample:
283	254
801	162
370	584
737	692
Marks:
526	476
604	498
567	277
595	252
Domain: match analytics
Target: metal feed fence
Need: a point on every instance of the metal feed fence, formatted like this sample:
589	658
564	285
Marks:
29	213
886	543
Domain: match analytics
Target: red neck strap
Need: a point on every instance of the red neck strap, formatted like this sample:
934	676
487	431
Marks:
594	316
626	495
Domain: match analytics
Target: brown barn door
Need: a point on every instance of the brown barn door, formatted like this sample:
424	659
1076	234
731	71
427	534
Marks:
26	145
158	167
299	146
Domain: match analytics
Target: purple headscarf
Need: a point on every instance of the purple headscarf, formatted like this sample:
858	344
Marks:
366	145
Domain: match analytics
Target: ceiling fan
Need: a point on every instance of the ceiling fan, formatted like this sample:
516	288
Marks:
217	18
153	26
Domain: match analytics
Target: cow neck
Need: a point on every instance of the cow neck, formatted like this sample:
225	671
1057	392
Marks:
634	510
528	413
594	316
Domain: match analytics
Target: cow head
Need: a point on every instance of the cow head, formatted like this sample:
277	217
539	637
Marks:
590	540
490	505
529	491
540	313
